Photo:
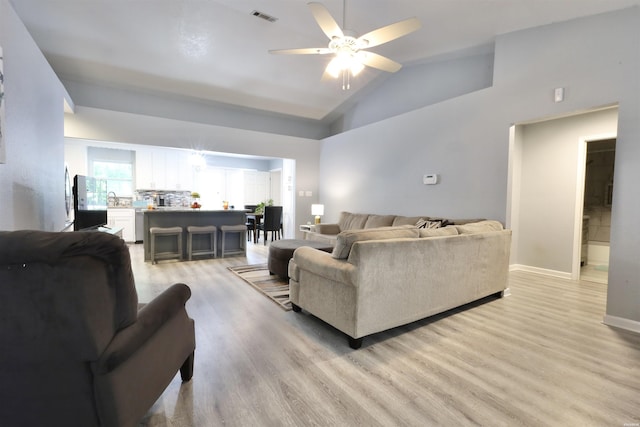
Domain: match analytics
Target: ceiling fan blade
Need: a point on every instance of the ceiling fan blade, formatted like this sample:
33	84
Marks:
390	32
302	51
380	62
326	22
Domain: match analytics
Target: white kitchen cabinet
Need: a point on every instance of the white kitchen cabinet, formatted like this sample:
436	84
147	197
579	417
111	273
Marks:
144	169
160	168
256	187
178	170
163	169
125	219
185	171
150	169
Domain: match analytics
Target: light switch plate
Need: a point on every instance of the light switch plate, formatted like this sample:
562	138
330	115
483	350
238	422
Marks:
558	94
430	179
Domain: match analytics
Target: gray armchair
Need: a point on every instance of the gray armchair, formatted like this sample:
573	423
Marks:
75	349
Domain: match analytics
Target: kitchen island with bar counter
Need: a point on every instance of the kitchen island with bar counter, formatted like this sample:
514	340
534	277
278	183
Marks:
183	217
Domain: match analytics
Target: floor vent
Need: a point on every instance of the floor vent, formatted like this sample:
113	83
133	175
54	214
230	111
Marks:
264	16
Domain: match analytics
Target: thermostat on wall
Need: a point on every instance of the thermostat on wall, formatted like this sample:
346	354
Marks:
430	179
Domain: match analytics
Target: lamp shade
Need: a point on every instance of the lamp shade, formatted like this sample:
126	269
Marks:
317	210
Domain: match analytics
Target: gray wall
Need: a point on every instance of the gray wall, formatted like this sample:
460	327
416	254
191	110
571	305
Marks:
237	162
419	85
138	101
32	180
378	168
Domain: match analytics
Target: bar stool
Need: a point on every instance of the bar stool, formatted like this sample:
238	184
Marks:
156	232
242	231
212	231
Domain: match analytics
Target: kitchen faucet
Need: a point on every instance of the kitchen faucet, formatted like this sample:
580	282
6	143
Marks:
115	198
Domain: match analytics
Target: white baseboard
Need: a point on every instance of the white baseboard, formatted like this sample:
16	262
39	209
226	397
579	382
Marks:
622	323
538	270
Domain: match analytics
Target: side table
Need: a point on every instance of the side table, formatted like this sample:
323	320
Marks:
307	228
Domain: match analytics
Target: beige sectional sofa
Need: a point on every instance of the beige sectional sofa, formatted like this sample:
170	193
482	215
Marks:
358	221
384	277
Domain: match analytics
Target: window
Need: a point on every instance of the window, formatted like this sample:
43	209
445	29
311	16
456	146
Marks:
116	166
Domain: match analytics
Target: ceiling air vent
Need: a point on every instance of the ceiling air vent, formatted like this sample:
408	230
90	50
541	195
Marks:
264	16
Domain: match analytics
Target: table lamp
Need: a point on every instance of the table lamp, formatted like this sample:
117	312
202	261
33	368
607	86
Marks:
318	211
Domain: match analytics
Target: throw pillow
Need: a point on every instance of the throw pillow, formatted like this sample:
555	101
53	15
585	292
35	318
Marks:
423	223
443	221
407	220
442	231
347	238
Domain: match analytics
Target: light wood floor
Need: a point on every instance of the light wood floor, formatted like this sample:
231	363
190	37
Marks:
540	357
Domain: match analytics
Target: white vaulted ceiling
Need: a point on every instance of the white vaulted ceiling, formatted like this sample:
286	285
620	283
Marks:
217	51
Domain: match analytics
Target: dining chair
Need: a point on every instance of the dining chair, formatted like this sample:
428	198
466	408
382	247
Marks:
251	222
272	222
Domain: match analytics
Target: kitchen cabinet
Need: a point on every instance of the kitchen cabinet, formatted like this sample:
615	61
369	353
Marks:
256	186
178	170
125	219
150	168
144	168
163	169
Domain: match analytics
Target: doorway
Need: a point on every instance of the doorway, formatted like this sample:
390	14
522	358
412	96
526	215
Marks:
547	169
598	197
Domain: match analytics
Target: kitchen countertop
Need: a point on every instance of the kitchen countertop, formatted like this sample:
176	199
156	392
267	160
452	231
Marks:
185	217
165	210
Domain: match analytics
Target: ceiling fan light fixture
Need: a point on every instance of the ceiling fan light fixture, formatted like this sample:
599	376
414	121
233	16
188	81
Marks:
334	69
349	57
356	67
344	62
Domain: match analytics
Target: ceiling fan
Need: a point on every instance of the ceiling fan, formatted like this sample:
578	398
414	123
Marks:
348	50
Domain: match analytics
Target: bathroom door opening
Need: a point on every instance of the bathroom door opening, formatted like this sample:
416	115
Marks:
596	220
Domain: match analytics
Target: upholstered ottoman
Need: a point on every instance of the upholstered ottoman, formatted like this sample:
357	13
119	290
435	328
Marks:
281	251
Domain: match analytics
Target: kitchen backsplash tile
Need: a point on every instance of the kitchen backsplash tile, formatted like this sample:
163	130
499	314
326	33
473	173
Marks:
171	198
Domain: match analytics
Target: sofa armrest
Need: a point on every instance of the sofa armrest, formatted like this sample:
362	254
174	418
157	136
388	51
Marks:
324	265
151	318
327	228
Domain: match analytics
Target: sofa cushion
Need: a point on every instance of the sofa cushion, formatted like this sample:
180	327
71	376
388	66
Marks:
442	231
479	227
407	220
352	221
347	238
376	221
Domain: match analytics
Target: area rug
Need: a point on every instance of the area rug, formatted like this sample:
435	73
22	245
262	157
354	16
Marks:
258	276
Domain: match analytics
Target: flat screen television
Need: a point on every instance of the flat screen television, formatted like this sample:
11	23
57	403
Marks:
89	202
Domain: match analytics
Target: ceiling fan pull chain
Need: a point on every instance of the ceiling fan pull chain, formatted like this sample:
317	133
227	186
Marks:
346	81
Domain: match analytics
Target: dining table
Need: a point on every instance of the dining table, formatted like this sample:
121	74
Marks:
257	219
